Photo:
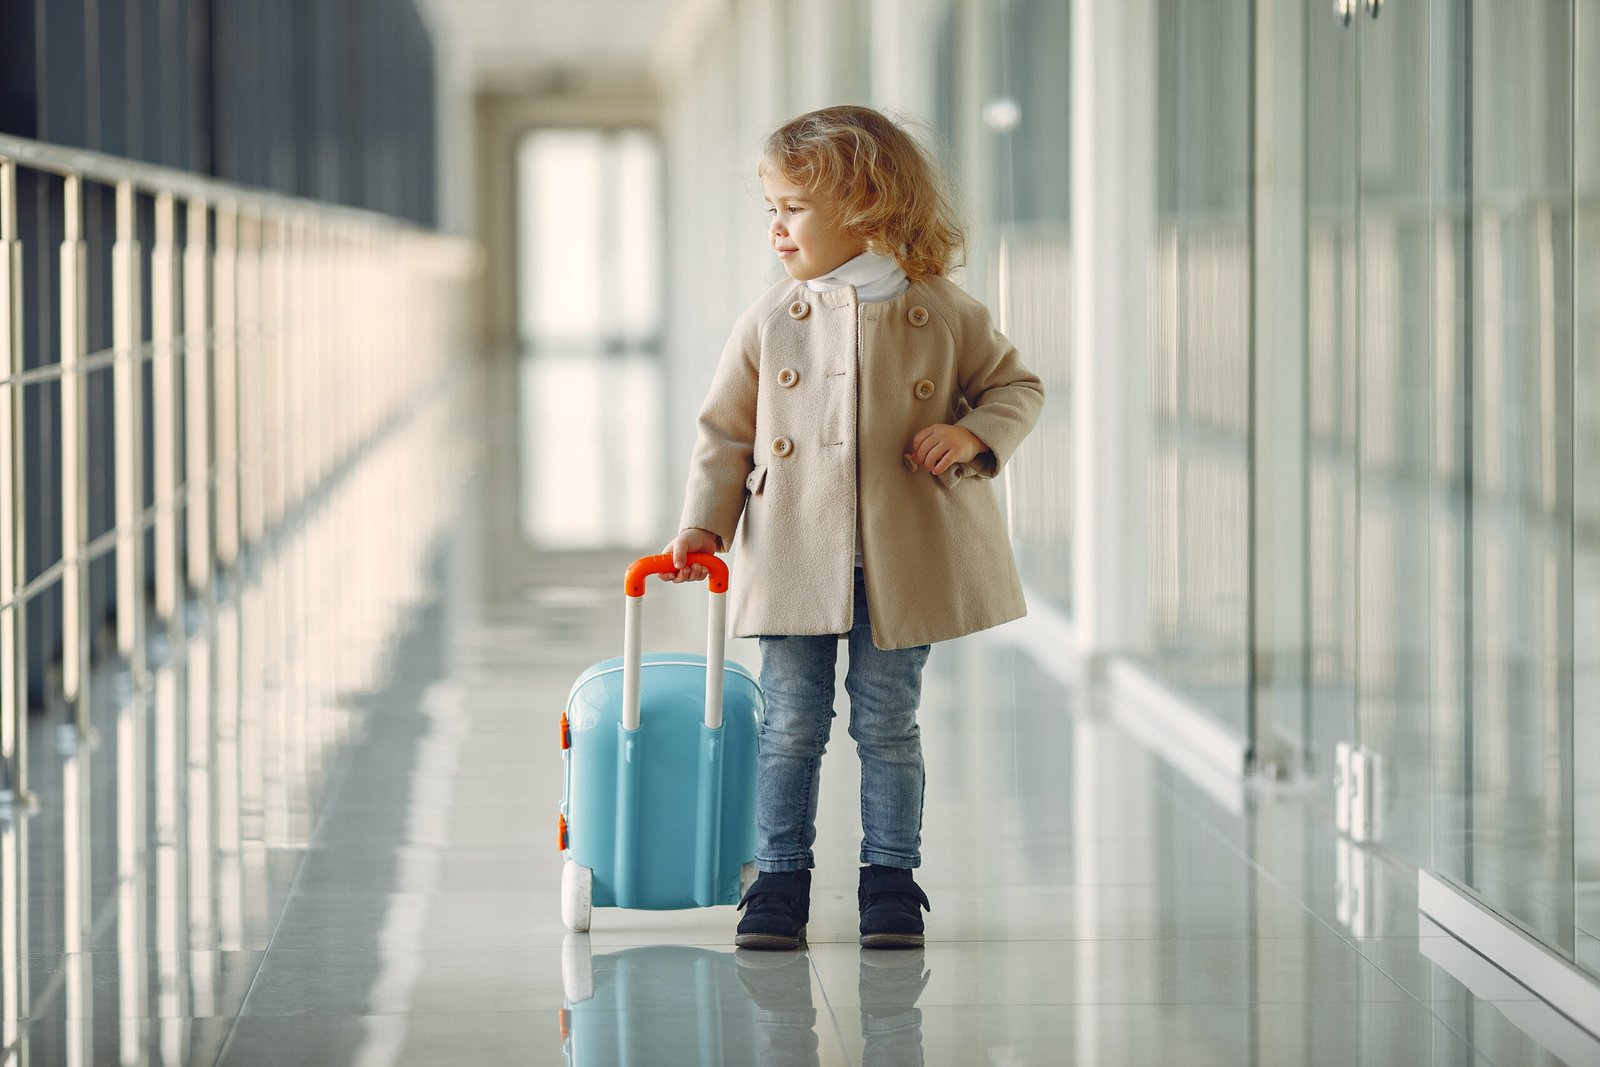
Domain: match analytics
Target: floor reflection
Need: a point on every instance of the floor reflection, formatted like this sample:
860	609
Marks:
686	1004
891	1025
138	901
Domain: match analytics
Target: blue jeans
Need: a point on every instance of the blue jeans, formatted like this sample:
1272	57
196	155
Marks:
885	688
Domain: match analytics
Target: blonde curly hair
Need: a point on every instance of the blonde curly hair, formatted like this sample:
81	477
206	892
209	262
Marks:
887	190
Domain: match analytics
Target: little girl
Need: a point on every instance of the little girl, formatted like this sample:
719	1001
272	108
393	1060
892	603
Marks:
853	426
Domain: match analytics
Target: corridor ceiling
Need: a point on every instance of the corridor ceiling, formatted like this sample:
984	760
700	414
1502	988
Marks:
542	40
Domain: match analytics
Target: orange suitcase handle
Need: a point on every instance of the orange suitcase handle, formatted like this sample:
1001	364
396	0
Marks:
716	622
640	569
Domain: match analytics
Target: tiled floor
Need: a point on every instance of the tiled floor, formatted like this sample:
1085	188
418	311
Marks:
246	871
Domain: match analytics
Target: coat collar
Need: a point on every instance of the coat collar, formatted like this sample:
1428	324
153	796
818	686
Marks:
838	299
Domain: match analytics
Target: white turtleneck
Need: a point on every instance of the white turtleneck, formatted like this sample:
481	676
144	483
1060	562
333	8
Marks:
876	278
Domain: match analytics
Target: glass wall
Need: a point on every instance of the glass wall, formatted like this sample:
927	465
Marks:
1505	826
1585	486
1447	608
1198	483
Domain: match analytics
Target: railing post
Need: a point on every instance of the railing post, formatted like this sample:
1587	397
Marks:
247	393
74	312
16	890
166	409
270	362
13	518
198	353
292	353
225	368
128	389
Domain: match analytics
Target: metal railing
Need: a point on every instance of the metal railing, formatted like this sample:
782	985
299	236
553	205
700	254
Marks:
283	338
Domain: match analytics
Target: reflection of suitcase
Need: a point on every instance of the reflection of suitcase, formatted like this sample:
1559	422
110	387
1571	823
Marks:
663	1004
658	810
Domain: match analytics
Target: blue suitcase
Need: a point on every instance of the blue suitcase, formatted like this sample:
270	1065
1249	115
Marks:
658	806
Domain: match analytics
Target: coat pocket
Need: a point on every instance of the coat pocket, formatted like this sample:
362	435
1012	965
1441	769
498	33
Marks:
756	480
955	473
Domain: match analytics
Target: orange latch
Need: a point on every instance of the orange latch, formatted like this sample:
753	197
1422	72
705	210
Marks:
566	732
561	832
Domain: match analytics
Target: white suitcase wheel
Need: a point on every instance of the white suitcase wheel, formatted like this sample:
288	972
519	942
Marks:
747	878
577	895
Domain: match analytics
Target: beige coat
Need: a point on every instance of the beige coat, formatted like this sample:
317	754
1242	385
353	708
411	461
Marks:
811	410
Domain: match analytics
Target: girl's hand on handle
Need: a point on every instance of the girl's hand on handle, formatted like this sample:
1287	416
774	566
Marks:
690	540
939	447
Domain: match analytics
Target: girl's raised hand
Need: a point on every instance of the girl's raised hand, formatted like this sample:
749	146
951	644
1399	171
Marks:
939	447
691	540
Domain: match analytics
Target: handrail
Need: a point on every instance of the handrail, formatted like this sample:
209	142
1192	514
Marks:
286	336
111	170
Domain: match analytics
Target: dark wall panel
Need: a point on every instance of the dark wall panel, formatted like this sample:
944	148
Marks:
332	101
67	107
119	80
19	70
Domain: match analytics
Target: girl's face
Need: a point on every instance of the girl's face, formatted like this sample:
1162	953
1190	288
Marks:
804	229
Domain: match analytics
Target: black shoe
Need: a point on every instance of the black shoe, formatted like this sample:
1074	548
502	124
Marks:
891	904
776	909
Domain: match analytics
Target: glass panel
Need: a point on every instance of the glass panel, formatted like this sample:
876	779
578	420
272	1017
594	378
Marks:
1026	255
1585	486
1450	577
1279	643
1519	540
601	413
590	386
1392	422
563	233
1331	346
637	274
1198	484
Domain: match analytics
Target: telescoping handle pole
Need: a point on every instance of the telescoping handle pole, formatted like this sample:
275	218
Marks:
716	631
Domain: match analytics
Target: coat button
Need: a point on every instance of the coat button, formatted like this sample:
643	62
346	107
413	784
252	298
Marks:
782	446
918	315
788	377
924	390
800	309
910	461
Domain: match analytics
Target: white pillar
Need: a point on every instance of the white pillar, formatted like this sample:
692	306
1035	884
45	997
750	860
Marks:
1113	227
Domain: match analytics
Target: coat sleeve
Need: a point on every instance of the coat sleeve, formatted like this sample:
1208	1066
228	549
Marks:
725	447
1004	395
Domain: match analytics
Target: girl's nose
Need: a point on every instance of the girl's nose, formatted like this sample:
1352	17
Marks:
778	229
